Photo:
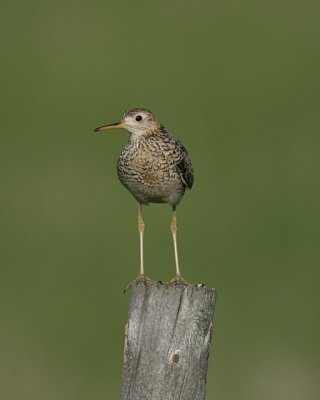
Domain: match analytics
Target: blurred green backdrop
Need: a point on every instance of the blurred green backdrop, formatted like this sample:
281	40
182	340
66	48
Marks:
238	83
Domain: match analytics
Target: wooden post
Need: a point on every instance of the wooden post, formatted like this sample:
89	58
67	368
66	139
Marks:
167	342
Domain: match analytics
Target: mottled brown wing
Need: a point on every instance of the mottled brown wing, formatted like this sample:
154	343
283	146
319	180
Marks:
185	168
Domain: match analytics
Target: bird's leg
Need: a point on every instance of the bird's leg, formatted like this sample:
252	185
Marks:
178	279
141	231
141	277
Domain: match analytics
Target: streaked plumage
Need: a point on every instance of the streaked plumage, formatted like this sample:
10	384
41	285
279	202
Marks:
154	166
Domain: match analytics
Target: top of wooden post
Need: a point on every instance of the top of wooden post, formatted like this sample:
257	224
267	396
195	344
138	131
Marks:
167	342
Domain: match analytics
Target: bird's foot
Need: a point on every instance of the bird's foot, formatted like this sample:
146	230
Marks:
138	279
178	280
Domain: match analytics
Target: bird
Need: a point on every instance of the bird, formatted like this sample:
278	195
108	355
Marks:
155	168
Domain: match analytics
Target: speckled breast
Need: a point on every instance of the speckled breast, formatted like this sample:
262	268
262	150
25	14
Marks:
150	175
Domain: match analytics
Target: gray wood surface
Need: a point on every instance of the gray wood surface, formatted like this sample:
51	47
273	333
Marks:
167	342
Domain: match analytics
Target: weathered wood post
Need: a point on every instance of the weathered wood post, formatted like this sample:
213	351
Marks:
167	342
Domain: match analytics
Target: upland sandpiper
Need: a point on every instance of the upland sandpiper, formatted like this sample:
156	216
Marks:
155	168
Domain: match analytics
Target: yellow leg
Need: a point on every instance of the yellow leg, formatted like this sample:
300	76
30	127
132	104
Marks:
178	279
141	277
173	228
141	231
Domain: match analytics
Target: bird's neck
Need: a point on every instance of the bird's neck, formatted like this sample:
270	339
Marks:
149	134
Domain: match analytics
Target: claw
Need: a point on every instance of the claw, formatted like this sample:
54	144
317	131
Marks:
138	279
178	280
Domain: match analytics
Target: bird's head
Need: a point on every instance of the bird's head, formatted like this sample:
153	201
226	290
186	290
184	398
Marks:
138	121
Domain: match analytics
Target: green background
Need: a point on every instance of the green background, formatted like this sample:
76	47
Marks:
238	83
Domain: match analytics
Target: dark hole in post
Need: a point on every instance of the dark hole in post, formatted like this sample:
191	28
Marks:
175	358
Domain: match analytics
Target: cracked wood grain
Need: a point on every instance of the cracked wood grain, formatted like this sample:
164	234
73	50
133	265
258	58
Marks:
167	342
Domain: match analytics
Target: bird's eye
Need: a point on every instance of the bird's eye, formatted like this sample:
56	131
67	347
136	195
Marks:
138	118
